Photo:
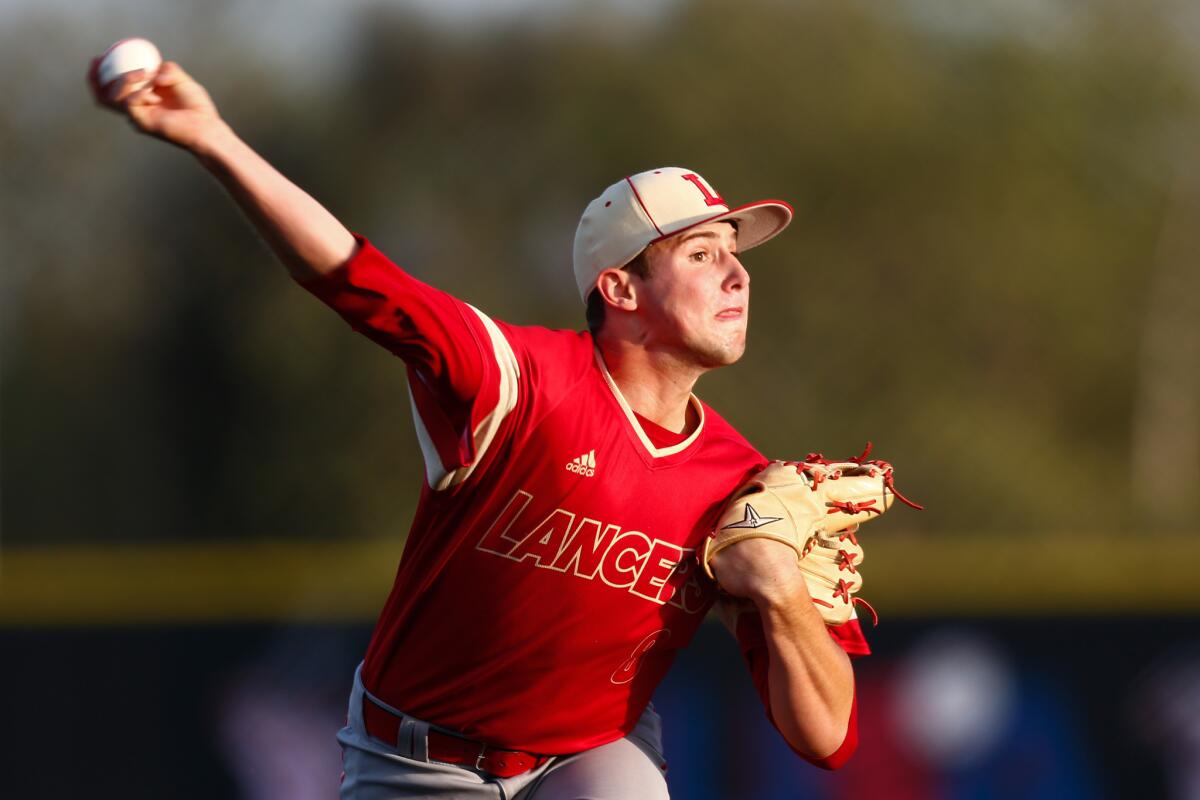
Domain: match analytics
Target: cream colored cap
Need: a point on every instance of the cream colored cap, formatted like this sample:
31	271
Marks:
650	206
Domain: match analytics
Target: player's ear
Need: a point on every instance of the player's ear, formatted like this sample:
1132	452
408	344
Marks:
618	289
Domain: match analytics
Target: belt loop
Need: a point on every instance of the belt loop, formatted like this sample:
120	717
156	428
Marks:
479	765
413	739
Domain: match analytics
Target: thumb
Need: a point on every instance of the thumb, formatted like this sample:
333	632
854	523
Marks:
187	93
170	74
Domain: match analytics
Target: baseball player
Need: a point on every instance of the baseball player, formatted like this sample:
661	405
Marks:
550	576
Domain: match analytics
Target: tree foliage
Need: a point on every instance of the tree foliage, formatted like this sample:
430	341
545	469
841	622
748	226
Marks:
978	213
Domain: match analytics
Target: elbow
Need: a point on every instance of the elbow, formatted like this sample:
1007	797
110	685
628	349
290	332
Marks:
838	758
838	754
838	751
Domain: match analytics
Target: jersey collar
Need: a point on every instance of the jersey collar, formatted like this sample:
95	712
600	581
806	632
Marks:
654	452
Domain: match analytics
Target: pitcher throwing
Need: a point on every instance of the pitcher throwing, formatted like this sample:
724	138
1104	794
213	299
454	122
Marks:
551	573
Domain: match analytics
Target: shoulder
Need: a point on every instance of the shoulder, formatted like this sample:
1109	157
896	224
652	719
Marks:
720	429
546	351
555	341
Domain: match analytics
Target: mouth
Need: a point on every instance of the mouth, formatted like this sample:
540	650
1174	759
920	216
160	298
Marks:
731	313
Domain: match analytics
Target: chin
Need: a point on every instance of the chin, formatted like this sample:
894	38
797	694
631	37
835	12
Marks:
734	357
711	358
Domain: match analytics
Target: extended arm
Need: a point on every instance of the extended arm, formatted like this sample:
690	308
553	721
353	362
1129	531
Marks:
462	370
308	239
810	680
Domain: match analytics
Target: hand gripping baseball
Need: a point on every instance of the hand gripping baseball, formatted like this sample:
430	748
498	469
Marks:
815	507
172	106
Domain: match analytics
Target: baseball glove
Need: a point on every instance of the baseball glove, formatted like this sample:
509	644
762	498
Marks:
815	507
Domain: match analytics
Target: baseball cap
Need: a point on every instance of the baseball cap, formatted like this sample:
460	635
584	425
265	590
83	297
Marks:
642	209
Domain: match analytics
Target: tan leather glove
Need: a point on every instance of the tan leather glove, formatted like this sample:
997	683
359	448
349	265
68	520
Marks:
815	507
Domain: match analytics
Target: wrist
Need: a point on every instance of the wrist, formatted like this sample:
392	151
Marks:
781	594
214	143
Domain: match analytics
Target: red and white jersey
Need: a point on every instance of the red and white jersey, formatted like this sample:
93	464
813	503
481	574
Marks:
550	577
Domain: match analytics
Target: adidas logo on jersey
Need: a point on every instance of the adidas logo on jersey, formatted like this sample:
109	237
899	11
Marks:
584	465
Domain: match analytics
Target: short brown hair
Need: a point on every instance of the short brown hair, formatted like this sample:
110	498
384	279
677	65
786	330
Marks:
597	308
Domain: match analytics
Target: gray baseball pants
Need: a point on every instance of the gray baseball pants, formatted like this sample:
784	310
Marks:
632	768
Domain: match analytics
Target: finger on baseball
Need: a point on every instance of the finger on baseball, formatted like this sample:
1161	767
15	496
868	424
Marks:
183	89
170	74
143	96
122	88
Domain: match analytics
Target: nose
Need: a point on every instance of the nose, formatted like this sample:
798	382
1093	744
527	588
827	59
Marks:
737	278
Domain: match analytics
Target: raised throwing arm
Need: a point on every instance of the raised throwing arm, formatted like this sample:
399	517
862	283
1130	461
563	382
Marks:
305	236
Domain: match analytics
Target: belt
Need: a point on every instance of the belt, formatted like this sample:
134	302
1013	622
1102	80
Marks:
451	749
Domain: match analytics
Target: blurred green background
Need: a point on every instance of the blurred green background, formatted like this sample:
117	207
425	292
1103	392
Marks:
992	275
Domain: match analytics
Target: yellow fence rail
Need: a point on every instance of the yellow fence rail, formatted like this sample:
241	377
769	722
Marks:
289	581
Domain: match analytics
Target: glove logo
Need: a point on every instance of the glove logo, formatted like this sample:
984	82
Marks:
752	520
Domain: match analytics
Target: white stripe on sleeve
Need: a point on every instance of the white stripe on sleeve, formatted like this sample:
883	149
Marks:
436	474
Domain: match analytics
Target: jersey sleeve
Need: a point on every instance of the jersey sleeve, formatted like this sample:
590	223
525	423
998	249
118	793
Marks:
463	376
753	643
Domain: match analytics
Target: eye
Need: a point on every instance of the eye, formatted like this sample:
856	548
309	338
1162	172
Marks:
699	256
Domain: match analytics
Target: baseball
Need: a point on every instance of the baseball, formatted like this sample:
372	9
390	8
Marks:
128	55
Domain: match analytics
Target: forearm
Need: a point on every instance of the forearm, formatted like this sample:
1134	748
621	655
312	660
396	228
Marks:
304	235
810	680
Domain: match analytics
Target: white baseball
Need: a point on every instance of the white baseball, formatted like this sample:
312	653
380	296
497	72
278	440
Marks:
128	55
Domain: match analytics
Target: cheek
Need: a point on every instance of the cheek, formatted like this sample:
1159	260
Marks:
679	304
690	304
700	298
695	309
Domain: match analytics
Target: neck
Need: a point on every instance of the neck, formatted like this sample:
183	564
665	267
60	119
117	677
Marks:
654	384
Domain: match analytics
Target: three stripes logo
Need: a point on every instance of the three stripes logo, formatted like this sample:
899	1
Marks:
584	465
